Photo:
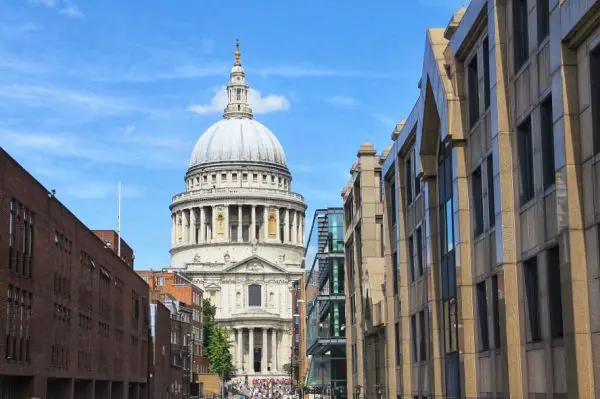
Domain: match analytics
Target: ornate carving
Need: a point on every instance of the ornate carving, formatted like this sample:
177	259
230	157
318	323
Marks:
197	258
282	258
255	267
254	246
226	257
220	222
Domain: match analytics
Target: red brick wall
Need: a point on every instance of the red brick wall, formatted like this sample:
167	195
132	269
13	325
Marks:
160	366
57	276
111	237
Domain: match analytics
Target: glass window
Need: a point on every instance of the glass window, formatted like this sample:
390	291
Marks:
532	294
419	252
491	195
448	216
595	93
409	180
555	298
473	91
496	311
543	19
398	343
547	143
486	72
411	258
245	176
525	153
395	272
414	337
234	177
520	33
422	335
482	316
254	295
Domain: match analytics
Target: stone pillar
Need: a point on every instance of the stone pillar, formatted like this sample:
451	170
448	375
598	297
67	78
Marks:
301	228
239	231
251	350
266	223
274	349
278	225
294	237
265	358
214	223
185	226
253	224
227	231
240	349
286	226
202	225
193	227
173	229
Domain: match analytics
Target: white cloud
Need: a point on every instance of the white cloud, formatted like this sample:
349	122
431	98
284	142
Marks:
341	101
71	11
260	104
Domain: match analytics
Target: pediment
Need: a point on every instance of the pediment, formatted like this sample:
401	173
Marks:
254	264
212	287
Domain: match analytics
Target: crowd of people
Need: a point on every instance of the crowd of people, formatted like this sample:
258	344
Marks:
262	388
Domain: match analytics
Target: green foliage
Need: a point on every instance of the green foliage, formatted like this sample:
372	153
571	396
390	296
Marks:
219	357
208	313
287	368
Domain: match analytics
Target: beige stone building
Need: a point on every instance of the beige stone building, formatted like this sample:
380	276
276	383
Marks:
492	209
363	232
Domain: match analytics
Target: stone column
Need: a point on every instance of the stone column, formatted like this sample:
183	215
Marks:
274	349
240	349
286	226
173	229
278	225
239	231
253	224
193	226
250	350
265	358
301	228
214	223
294	237
202	225
185	226
266	223
227	231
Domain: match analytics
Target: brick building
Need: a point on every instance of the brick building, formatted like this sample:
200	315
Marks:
73	314
181	343
183	289
111	240
160	378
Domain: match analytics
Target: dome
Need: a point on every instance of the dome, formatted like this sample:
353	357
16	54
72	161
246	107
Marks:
238	140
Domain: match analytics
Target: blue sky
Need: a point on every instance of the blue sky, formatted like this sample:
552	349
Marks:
96	91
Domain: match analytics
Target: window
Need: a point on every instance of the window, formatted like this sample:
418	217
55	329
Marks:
392	209
398	343
234	177
482	315
254	177
419	252
264	178
450	326
547	143
205	179
238	94
486	72
422	336
543	19
395	272
213	178
532	294
244	176
409	180
491	197
496	311
414	337
473	91
477	187
417	182
160	281
554	288
595	94
254	295
525	153
223	177
411	258
520	33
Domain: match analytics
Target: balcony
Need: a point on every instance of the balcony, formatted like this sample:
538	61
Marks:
238	192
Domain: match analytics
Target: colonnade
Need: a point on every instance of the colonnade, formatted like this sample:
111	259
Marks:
196	225
272	349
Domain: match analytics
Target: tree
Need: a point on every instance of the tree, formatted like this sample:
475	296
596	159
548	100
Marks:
287	368
209	312
219	357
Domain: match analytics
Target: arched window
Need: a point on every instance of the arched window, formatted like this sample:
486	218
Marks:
254	295
238	94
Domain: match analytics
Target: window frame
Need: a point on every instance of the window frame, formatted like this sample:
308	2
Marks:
525	162
547	142
473	90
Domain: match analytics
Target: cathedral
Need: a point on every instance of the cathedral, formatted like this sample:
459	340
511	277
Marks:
238	232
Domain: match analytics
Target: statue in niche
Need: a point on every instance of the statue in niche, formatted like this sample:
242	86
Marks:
226	257
238	299
254	246
220	223
272	300
282	258
272	224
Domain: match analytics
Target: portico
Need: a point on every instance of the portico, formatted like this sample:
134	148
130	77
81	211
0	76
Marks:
257	349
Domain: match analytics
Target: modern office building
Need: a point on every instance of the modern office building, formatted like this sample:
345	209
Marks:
492	207
73	314
238	232
325	306
364	287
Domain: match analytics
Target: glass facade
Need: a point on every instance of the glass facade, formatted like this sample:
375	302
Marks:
326	317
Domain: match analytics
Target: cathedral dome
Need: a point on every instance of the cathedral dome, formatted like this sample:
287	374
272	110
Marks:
238	140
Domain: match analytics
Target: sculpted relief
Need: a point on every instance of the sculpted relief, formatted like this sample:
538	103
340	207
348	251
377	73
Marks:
272	224
220	222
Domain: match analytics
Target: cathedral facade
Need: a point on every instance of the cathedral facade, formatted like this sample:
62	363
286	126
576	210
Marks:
238	232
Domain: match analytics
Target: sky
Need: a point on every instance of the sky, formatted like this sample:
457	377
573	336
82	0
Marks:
97	91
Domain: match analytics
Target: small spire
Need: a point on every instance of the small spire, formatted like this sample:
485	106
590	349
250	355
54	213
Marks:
237	53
